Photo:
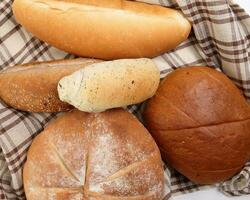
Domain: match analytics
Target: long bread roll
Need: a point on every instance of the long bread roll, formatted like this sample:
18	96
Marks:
33	87
106	29
110	84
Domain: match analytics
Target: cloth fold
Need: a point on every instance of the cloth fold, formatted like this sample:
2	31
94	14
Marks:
220	38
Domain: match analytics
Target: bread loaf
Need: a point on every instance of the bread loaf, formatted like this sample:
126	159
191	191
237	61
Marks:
201	123
104	156
33	87
102	28
110	84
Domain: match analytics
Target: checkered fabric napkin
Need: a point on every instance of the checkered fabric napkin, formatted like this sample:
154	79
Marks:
220	38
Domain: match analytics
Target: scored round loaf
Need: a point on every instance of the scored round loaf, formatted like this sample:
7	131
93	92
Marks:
33	87
100	156
102	28
201	123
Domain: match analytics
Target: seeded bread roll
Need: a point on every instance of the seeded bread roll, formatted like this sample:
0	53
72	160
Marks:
33	87
110	84
106	29
103	156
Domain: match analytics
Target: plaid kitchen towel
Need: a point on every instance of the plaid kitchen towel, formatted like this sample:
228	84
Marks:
220	38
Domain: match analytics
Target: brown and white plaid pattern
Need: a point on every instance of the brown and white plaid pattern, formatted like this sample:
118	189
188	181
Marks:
220	38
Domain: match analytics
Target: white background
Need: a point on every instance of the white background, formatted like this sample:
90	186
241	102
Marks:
213	194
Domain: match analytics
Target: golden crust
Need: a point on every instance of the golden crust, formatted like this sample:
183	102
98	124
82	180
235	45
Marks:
103	29
94	156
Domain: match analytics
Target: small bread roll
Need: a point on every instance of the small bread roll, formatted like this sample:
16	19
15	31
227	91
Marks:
110	84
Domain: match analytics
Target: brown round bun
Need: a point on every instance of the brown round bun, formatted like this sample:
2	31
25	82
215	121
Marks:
100	156
201	123
33	87
102	28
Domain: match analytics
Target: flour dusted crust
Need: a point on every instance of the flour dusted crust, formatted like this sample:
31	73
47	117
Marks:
106	29
98	156
33	87
110	84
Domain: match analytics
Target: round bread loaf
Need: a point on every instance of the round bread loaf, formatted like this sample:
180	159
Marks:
103	28
100	156
201	123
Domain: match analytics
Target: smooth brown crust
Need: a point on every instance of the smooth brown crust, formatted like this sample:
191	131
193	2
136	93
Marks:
107	155
103	29
201	123
33	87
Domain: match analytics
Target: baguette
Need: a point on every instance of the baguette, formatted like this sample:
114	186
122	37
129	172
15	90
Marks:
109	29
33	87
110	84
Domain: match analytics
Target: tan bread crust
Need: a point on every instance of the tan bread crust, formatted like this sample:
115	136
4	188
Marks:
110	84
101	156
201	122
33	87
103	29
